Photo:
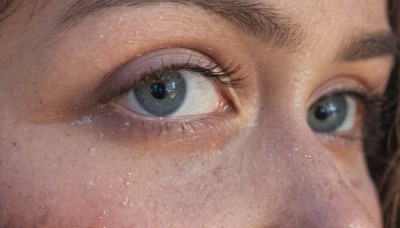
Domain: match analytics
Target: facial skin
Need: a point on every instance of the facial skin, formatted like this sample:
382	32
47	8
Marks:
66	161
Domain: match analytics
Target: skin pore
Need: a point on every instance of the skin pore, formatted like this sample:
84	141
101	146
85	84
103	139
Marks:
75	153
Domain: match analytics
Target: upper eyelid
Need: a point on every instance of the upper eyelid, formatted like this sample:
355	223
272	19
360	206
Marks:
137	65
123	77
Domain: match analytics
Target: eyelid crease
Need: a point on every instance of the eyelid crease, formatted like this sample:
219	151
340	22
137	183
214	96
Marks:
109	90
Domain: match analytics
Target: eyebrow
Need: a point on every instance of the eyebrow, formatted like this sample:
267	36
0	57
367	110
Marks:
257	19
7	8
368	46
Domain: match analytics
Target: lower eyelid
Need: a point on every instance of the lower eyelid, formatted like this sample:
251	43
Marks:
206	131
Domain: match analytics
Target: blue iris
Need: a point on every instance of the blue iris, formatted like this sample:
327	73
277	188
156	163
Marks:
328	114
162	96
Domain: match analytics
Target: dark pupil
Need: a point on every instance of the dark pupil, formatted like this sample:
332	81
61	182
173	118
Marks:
158	90
162	95
328	114
321	113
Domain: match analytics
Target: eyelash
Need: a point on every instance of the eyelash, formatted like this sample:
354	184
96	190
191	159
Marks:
371	122
222	77
377	122
210	125
373	106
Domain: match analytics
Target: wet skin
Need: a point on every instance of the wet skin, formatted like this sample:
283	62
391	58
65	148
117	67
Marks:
71	155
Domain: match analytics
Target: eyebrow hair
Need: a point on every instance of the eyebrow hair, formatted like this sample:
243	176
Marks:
367	46
257	19
7	8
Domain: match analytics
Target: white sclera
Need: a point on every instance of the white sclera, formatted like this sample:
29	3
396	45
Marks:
350	119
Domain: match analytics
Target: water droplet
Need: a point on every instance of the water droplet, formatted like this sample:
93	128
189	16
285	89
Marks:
90	184
126	201
92	151
86	120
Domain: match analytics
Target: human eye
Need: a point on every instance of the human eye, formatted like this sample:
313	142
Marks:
345	114
177	89
333	113
171	89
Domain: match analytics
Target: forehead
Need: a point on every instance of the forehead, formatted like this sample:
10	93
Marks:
329	23
371	10
313	14
322	22
328	15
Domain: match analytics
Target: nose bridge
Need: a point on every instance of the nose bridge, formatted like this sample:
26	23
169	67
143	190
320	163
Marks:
323	199
317	195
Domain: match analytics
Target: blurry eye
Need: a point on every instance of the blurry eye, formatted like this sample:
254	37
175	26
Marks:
332	113
172	93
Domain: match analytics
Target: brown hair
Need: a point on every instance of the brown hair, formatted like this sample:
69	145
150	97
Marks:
389	178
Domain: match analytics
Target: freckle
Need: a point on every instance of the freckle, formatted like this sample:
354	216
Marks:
356	183
44	218
14	143
332	196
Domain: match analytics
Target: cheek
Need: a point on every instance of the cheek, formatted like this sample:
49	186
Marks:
57	171
268	172
285	157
